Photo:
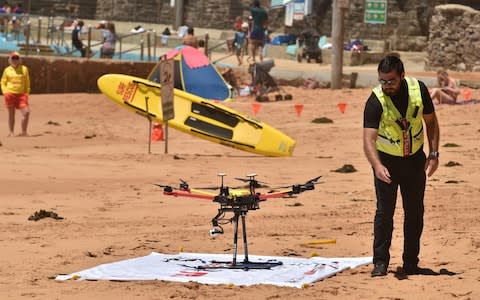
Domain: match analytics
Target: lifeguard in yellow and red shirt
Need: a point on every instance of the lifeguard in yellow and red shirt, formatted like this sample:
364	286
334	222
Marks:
15	89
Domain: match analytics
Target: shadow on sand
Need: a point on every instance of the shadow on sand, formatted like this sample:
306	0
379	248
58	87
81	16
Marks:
400	273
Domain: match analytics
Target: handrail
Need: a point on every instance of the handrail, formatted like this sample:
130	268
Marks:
119	38
34	32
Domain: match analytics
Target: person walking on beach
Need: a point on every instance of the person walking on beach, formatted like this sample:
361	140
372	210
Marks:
109	39
77	37
257	36
16	88
393	144
239	42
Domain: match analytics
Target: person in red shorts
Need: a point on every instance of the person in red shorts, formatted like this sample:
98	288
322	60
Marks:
15	89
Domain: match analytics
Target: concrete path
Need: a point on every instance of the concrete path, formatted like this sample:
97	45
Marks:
367	74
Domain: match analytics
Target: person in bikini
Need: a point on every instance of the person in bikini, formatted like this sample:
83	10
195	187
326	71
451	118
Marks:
448	91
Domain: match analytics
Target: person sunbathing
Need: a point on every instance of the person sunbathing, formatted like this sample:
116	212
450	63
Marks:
448	91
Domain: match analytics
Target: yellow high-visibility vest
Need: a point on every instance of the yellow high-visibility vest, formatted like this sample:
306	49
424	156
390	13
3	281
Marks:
400	136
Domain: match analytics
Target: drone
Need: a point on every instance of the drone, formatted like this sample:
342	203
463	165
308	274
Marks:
238	201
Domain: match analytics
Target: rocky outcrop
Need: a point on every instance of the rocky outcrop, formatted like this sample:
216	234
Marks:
454	38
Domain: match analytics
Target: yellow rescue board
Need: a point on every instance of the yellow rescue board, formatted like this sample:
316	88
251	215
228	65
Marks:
197	116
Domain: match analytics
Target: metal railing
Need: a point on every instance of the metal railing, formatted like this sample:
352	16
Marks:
36	34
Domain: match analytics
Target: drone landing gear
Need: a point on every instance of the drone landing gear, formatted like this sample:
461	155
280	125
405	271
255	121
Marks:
246	264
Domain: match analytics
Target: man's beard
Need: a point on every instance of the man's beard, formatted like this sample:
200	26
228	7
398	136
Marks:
390	92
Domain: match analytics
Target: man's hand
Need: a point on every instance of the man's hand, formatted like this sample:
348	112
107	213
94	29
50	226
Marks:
381	172
431	165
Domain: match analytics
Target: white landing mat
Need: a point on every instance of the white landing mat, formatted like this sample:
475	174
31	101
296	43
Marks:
183	267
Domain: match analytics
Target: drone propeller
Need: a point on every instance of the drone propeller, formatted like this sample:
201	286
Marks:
251	179
310	182
168	188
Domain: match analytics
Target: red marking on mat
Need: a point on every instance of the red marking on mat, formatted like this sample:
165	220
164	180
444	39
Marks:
311	272
191	273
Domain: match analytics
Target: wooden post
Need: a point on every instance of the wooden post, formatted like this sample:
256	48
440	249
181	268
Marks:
27	38
89	42
207	37
120	48
178	14
39	30
149	127
149	53
338	9
154	45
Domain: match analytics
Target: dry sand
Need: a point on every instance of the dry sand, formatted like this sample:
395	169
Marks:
87	160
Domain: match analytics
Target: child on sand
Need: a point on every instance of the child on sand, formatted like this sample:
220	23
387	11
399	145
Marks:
239	42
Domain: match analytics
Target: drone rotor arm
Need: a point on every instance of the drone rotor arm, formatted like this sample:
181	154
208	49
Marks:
187	194
280	194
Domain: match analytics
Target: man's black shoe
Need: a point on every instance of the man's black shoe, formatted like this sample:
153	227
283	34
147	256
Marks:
380	269
411	269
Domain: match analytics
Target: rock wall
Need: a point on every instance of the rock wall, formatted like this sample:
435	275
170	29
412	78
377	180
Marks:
407	20
75	75
407	28
69	9
454	38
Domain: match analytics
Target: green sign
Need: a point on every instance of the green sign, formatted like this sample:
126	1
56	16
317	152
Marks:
375	11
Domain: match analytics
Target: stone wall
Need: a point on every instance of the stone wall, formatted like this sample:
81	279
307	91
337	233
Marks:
70	9
75	75
406	18
407	25
454	38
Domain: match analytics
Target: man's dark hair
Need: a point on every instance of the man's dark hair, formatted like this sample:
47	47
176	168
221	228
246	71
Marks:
390	63
190	30
256	3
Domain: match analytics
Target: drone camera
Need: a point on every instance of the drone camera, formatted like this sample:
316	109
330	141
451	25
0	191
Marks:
184	186
167	189
215	232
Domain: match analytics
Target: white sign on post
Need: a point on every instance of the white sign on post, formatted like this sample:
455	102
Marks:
166	77
166	93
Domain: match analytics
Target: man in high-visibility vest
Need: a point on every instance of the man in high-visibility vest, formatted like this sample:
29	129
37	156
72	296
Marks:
393	138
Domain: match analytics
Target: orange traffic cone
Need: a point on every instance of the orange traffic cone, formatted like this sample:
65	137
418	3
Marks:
342	106
256	108
157	132
467	94
298	109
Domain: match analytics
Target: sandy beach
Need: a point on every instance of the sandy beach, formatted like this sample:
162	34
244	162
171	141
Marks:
87	160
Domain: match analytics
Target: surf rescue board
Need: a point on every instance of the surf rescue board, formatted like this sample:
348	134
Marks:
197	116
